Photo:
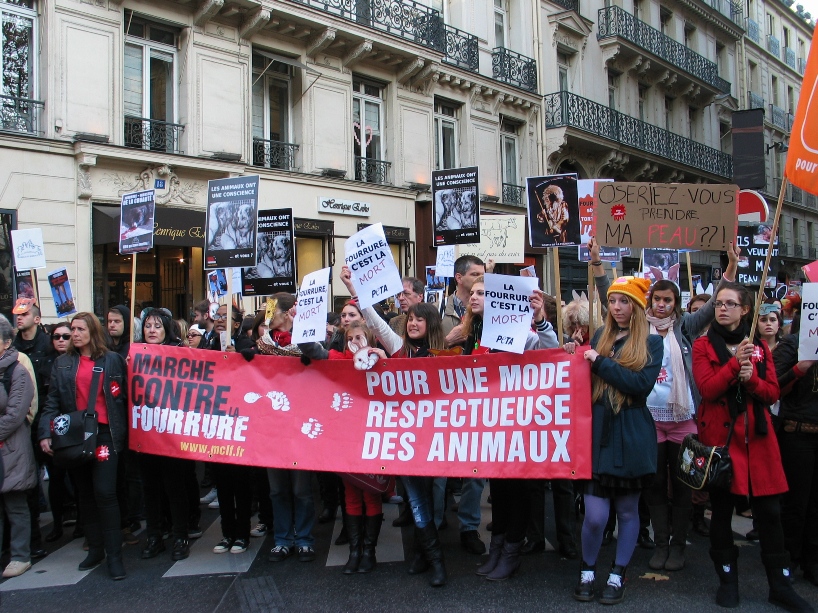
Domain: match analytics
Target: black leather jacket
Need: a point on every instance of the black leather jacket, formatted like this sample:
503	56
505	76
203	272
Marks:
799	400
62	395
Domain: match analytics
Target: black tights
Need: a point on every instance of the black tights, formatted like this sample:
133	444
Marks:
656	495
766	516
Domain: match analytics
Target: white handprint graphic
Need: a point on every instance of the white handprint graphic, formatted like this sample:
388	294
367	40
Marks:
341	401
279	401
312	428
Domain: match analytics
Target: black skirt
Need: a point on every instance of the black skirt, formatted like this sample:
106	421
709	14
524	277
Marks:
608	486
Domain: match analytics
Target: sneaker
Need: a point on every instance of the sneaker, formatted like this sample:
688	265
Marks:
214	504
259	530
306	554
224	546
279	553
128	537
15	569
209	497
395	499
239	546
194	531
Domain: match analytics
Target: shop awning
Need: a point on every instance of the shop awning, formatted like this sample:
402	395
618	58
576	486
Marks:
173	226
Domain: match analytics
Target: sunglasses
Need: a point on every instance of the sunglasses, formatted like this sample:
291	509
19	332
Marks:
193	334
57	337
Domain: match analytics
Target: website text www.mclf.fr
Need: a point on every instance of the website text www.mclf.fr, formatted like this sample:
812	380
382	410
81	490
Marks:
231	451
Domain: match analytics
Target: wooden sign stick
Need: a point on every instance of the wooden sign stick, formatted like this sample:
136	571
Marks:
556	254
690	276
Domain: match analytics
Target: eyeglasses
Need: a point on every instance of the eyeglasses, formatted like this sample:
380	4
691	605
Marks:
192	334
57	337
729	304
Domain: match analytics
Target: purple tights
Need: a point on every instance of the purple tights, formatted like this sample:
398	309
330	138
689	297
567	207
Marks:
596	516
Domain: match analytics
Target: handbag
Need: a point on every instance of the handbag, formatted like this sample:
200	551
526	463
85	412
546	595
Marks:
705	467
74	434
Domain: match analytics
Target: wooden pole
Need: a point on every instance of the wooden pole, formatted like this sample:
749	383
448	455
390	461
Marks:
690	276
555	252
591	300
36	289
773	236
641	262
133	296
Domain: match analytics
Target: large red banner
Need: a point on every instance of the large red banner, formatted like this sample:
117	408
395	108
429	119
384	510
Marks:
495	415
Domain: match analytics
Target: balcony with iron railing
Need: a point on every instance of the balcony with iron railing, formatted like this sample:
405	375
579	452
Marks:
783	248
729	8
789	57
773	45
152	134
793	195
371	171
20	115
781	118
513	194
514	69
567	109
802	65
571	5
274	154
615	22
812	253
798	251
753	31
754	101
461	49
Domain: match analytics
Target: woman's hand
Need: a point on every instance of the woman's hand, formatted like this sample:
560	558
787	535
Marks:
744	351
45	445
591	355
746	371
456	336
378	352
733	253
577	336
570	348
537	305
346	278
490	266
593	247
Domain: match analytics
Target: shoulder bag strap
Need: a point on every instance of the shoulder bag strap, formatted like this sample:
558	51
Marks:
93	392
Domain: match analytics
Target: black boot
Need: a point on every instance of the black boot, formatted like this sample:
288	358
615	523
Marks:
781	592
584	592
495	550
509	562
153	547
614	591
372	529
419	564
353	525
113	551
726	563
343	537
699	523
680	516
434	554
96	547
661	535
405	517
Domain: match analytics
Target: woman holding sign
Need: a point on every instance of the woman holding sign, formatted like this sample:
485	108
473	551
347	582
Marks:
738	382
625	361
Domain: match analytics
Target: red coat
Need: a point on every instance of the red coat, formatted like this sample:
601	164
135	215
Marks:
759	462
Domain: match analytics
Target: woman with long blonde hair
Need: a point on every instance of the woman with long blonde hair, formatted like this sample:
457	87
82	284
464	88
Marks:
625	361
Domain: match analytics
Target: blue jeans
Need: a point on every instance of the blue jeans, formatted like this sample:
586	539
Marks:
420	499
293	507
468	511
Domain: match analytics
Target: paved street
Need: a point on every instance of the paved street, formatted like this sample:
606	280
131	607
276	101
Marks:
249	583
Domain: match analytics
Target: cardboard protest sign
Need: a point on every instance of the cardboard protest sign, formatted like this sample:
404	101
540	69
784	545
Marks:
29	251
457	206
374	274
666	215
232	218
553	211
754	241
502	239
659	264
310	323
808	335
275	268
444	262
61	292
24	282
802	158
507	312
137	212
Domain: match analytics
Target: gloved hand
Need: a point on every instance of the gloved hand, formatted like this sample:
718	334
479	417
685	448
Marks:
305	360
248	354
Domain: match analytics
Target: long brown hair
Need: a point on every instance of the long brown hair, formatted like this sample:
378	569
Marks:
633	355
97	336
435	338
469	317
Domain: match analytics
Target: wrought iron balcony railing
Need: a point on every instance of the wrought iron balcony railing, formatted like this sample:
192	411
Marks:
461	49
567	109
371	171
783	248
802	65
773	45
789	57
616	22
753	31
810	200
510	67
571	5
152	134
729	8
812	252
20	114
781	118
754	101
796	195
274	154
799	251
513	194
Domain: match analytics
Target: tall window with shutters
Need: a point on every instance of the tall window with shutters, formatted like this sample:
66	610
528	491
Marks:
272	140
18	61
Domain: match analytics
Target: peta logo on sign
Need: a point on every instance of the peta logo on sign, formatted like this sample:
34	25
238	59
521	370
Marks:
61	425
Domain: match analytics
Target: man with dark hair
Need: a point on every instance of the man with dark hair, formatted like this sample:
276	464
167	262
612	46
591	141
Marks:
466	269
119	329
220	325
412	294
201	317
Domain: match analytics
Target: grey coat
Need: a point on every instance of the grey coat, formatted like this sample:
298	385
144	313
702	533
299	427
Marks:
691	328
17	453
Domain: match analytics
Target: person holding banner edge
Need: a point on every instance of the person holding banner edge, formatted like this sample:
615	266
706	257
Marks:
672	403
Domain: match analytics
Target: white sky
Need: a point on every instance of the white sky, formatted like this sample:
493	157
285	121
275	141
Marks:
810	6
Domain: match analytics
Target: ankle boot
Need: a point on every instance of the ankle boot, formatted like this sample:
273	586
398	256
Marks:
353	525
495	549
658	519
509	562
676	557
584	592
614	591
726	563
405	518
372	530
343	537
419	564
781	592
113	551
434	554
96	547
699	523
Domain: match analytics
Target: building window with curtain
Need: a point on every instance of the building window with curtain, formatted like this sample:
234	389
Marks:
512	190
500	23
19	108
150	96
271	116
445	135
367	132
563	66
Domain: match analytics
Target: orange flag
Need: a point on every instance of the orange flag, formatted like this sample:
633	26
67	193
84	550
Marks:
802	158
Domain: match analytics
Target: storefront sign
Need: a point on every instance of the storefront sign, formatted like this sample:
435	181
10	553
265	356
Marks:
498	415
336	206
394	234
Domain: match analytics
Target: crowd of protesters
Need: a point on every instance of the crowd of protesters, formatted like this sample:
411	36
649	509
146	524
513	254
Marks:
658	374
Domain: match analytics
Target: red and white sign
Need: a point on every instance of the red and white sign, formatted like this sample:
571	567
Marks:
497	415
